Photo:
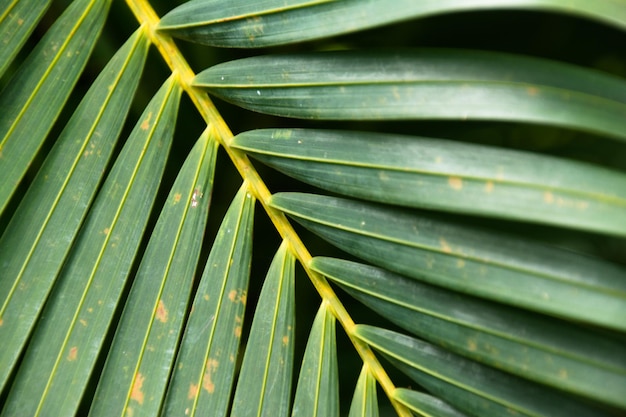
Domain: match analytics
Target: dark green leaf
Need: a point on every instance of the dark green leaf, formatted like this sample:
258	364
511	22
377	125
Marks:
423	84
424	404
472	388
536	347
449	176
40	234
480	262
205	367
248	24
67	340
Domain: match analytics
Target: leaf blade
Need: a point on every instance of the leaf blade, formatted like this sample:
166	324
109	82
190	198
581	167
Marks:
365	400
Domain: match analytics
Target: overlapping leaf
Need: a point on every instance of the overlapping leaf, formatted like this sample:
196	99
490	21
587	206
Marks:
41	86
18	18
486	263
364	401
206	363
67	339
248	24
317	393
135	376
424	404
472	388
264	385
536	347
445	175
40	234
423	84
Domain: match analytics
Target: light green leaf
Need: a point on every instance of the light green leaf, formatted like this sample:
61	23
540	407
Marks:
68	337
317	394
40	234
264	384
481	262
423	84
205	367
448	176
249	24
365	400
18	19
41	86
135	376
425	404
469	386
536	347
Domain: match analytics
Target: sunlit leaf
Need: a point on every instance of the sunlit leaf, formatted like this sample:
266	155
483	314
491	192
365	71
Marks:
365	400
18	18
424	404
68	337
423	84
134	378
536	347
317	393
40	234
41	86
207	360
264	385
469	386
248	24
446	175
482	262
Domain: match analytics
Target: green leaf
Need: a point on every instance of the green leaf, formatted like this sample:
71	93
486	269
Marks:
18	19
425	404
448	176
205	367
67	340
536	347
481	262
317	393
364	401
43	228
264	384
423	84
249	24
41	86
469	386
134	378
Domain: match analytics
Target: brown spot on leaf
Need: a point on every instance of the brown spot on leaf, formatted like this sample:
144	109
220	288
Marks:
232	295
1	321
145	125
193	391
532	91
285	340
207	381
456	183
136	393
73	354
161	313
444	245
177	197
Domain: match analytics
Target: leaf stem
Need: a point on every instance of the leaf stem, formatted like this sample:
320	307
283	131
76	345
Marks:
149	20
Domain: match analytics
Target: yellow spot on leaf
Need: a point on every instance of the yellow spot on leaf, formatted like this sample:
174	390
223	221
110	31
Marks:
548	197
145	125
460	263
455	183
563	374
136	393
73	354
444	245
161	313
106	231
90	310
193	391
285	340
232	295
20	21
489	187
177	197
207	382
238	331
130	412
1	321
206	297
83	322
532	91
471	345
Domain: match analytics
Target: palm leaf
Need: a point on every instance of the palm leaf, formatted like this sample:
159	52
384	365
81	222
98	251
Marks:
273	22
365	400
67	340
